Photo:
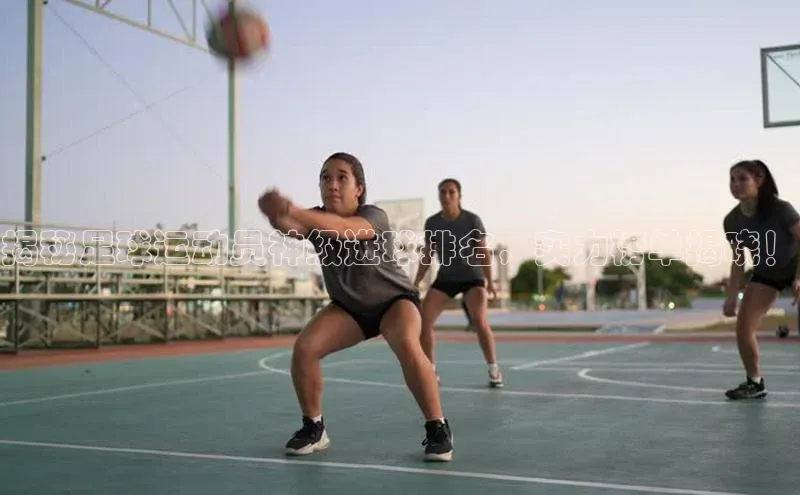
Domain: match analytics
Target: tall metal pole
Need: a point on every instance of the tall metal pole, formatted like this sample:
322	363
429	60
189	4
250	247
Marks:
641	276
33	115
641	286
539	280
233	188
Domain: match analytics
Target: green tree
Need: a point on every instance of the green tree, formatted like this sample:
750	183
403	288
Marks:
526	282
664	277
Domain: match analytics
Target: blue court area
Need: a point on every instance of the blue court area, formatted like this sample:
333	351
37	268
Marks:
578	418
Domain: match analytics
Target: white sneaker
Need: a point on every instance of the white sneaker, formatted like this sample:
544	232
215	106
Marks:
495	378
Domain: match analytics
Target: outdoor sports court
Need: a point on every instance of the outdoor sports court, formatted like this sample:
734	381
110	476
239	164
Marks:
579	414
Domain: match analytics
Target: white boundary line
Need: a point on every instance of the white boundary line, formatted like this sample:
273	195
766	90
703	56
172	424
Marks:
129	388
722	350
662	370
142	386
644	364
519	393
369	467
630	383
186	381
582	355
525	393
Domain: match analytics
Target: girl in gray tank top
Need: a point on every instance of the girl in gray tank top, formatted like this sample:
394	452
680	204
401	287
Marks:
370	295
458	238
769	228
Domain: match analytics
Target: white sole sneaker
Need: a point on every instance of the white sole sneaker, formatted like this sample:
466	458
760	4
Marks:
323	444
447	457
496	382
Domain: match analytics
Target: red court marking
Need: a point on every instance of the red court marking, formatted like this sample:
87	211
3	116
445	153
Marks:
55	357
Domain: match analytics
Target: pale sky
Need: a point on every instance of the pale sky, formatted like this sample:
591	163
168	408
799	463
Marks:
580	117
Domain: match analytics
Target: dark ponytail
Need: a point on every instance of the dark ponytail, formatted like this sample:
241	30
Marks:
450	180
767	191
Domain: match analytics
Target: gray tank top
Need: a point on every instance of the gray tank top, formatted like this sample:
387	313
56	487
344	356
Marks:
772	245
454	242
361	275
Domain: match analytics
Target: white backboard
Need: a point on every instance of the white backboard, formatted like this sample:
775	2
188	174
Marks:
404	214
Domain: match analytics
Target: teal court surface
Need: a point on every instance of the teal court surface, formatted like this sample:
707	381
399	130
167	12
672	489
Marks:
597	417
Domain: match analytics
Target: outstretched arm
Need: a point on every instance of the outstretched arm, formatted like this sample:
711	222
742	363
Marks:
352	228
424	264
486	256
735	276
276	208
485	253
737	264
288	217
287	226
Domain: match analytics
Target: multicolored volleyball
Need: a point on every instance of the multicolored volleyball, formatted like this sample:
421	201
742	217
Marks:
238	33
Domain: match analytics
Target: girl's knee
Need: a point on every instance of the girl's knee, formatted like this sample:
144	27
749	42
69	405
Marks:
408	351
305	350
482	326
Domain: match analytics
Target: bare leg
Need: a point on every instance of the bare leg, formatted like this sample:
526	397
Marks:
401	328
758	298
477	299
432	307
331	330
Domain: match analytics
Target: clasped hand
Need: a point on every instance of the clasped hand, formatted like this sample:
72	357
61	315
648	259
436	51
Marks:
274	205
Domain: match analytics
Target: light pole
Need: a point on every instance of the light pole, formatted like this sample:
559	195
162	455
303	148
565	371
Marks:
630	257
603	248
539	274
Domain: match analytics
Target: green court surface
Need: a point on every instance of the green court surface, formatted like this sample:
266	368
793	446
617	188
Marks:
598	418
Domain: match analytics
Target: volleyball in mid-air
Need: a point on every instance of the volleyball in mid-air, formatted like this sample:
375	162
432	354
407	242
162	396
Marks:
238	33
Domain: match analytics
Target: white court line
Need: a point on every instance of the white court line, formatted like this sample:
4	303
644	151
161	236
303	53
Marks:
142	386
525	393
582	355
392	360
370	467
576	367
643	364
129	388
169	383
720	349
585	375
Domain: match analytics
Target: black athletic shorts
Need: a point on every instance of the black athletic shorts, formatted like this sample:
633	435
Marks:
370	321
452	289
778	285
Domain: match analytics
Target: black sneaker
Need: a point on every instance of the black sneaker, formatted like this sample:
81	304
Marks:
312	437
748	389
438	441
